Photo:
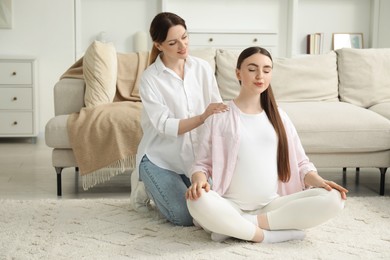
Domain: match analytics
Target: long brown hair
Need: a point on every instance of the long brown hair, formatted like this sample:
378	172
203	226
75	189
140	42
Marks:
159	30
268	103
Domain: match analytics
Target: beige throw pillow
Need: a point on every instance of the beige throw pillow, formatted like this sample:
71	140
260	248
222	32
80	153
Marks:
364	76
305	78
207	54
100	66
228	84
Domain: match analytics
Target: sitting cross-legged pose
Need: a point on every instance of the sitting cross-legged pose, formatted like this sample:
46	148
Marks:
263	186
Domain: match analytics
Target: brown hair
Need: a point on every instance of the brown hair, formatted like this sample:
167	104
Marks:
268	103
159	30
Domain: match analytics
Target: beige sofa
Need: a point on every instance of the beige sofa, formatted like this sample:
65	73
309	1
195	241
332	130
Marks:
339	103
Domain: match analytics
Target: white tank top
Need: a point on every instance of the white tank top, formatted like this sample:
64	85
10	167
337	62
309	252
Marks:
255	179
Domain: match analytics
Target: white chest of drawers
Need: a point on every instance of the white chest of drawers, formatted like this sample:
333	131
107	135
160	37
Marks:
18	97
234	40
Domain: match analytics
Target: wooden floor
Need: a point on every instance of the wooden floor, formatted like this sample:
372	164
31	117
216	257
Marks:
26	173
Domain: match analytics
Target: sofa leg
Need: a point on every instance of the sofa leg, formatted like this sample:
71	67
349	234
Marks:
59	185
357	176
344	176
382	184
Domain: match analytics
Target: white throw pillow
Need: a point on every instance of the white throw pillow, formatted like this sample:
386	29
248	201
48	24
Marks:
306	78
228	84
100	68
364	76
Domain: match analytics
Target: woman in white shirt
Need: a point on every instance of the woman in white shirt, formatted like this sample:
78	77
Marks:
264	188
178	93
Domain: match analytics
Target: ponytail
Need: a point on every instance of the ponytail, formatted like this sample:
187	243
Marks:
153	54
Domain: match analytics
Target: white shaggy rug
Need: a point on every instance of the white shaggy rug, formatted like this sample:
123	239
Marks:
107	229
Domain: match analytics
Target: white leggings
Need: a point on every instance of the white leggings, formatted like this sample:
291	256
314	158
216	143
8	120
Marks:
300	210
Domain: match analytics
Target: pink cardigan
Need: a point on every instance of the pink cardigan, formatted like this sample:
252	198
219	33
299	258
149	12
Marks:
218	150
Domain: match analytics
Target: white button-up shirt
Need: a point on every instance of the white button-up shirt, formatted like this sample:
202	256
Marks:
166	100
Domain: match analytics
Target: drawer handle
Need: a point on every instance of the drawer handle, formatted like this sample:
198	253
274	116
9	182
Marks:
255	40
14	73
15	123
14	99
211	39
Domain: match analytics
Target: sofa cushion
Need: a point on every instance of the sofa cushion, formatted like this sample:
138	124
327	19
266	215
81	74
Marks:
382	108
100	66
364	76
306	78
228	84
207	54
338	127
56	133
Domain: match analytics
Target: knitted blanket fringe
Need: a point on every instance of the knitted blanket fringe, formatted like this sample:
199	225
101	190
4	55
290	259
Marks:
106	173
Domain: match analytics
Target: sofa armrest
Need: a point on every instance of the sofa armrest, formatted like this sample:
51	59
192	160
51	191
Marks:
68	96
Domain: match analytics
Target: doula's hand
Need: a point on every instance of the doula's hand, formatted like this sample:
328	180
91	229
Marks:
199	182
213	108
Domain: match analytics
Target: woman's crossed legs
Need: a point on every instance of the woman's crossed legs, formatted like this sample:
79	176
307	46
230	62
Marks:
281	220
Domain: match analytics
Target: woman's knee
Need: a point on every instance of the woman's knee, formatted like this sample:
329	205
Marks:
182	218
200	206
169	201
335	200
331	200
175	211
173	207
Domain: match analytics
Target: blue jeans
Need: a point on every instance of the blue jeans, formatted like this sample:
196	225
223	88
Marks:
167	190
